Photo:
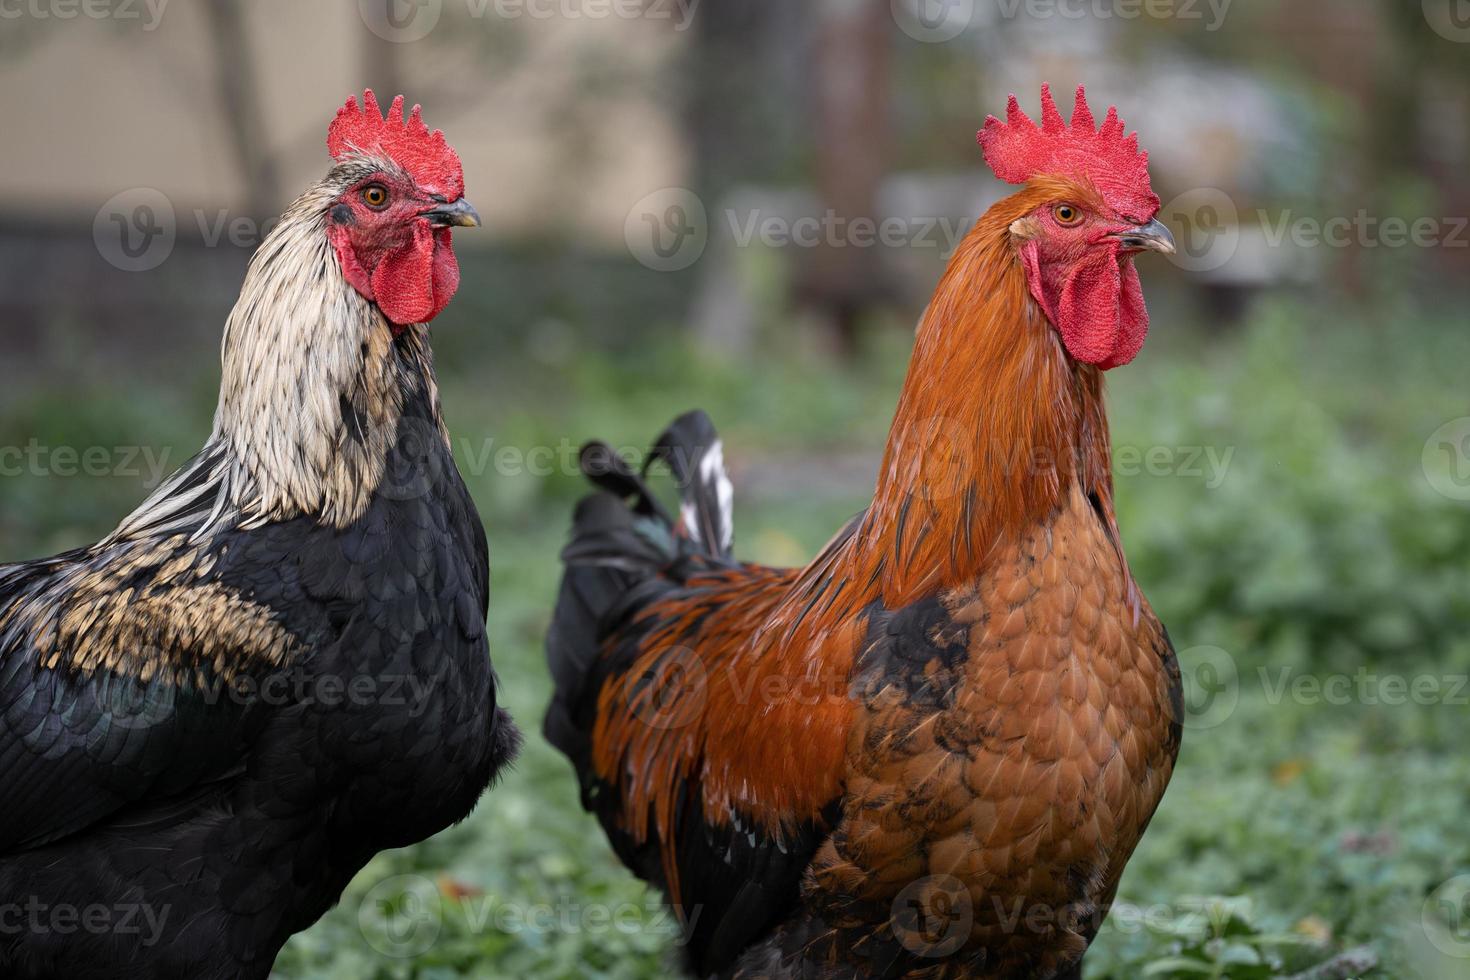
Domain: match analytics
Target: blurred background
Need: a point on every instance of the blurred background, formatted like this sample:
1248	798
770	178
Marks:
743	205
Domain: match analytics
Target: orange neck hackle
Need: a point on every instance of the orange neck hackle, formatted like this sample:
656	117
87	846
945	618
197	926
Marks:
994	424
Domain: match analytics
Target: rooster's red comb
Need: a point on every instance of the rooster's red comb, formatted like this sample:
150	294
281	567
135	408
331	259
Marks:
1018	150
431	162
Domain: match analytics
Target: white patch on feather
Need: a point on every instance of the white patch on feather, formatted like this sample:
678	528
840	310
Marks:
690	519
712	470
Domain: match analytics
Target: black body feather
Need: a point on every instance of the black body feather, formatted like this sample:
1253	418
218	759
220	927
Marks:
212	806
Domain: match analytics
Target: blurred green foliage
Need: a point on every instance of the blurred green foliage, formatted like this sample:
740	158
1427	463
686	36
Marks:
1276	510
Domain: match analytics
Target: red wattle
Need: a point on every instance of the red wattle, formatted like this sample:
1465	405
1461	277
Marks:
1132	318
1099	311
413	284
446	270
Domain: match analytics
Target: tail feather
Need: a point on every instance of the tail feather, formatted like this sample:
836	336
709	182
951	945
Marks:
606	469
626	550
694	453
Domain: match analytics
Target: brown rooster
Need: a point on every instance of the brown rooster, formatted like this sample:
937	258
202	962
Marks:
930	752
276	667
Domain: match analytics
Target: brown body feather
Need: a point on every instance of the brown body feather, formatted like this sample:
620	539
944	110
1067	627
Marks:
985	832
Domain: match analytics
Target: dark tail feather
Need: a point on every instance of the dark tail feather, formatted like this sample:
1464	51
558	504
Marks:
622	555
692	449
602	465
612	550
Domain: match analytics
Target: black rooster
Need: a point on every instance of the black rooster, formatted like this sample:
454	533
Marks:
277	666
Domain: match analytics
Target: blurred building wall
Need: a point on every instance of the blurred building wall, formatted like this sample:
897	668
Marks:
93	106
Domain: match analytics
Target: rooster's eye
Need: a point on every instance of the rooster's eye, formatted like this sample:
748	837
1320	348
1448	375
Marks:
375	196
1066	214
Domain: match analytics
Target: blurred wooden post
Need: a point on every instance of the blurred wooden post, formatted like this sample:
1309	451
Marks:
239	92
852	133
380	67
747	59
748	126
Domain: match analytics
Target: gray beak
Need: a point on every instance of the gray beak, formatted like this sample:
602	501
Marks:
459	214
1152	236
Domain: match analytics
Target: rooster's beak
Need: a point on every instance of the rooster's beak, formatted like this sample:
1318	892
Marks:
458	213
1153	236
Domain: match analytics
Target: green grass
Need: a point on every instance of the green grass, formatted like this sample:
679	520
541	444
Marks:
1299	823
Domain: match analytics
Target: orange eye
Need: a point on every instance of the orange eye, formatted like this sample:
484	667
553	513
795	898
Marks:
375	196
1066	214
